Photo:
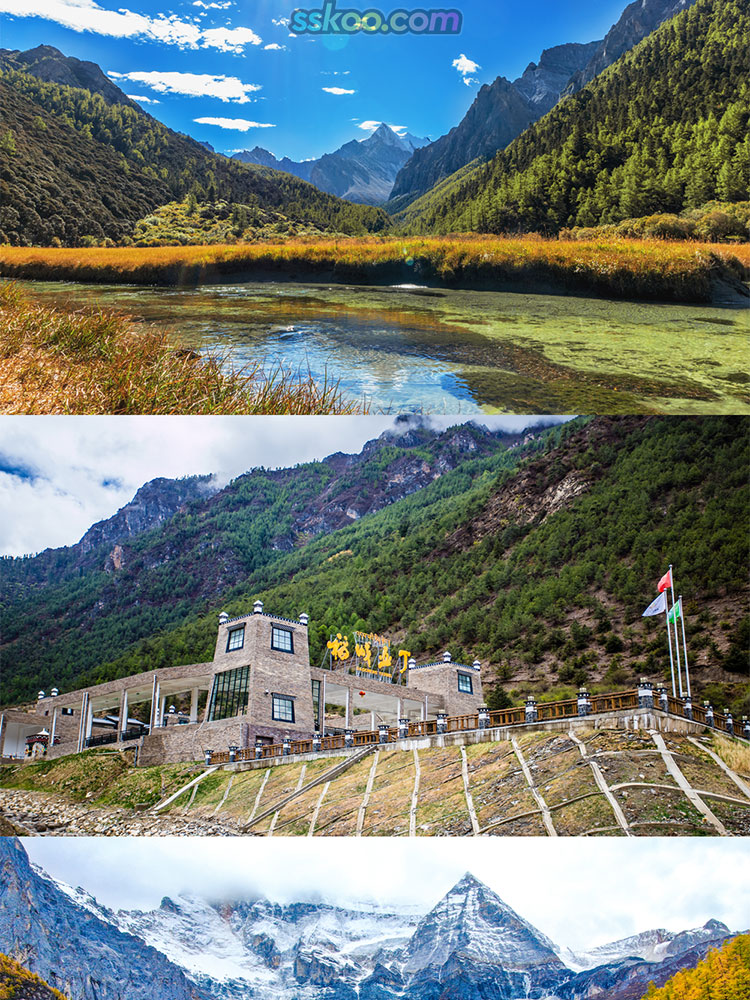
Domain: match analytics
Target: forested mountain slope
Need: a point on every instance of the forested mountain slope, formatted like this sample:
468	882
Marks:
724	974
503	109
663	129
77	165
67	610
542	571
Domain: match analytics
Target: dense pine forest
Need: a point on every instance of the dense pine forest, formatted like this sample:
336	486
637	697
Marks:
722	975
541	569
663	130
76	169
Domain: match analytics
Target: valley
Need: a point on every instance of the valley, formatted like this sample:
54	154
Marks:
586	177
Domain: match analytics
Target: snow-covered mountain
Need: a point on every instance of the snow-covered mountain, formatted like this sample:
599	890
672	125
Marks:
268	950
651	946
470	946
360	170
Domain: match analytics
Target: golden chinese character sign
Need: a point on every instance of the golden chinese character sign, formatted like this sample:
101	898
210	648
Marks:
372	655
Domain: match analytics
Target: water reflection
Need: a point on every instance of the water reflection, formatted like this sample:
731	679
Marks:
422	349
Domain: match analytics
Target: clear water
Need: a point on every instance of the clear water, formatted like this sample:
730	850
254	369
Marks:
442	350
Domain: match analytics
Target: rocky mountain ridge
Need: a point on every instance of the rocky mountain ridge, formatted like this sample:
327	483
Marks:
360	170
502	110
51	65
470	945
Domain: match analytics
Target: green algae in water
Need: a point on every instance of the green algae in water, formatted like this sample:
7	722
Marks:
458	351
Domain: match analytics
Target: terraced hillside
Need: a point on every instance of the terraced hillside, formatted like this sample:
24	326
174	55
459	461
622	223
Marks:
535	783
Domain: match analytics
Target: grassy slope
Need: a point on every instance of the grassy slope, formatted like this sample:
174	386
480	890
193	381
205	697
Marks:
664	128
502	799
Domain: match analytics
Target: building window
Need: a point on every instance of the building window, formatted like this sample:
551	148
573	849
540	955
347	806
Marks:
229	694
281	639
316	705
465	684
236	638
68	711
283	708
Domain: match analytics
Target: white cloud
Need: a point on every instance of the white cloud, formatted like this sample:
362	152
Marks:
466	67
230	39
338	90
87	15
280	22
370	126
225	88
83	469
335	72
235	124
274	46
630	887
213	6
142	100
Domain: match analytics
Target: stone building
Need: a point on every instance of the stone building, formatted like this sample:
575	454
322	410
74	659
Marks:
259	687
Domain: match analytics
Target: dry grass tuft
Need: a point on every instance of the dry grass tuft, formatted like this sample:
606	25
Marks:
95	361
735	755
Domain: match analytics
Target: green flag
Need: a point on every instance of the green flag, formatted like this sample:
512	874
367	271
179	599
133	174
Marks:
675	613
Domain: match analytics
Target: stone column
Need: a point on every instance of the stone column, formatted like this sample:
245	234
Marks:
208	754
317	741
194	695
82	722
349	738
122	722
483	717
687	707
383	732
663	699
233	753
531	712
322	719
258	750
155	698
746	727
645	694
730	723
442	722
89	720
403	728
286	746
584	702
709	714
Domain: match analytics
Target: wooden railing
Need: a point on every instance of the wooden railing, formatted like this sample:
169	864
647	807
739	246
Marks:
570	708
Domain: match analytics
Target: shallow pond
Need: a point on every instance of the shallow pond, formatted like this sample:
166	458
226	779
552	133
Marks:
408	348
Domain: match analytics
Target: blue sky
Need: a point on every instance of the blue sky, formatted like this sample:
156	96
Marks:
258	73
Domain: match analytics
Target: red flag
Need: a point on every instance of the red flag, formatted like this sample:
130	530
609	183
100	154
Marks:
666	581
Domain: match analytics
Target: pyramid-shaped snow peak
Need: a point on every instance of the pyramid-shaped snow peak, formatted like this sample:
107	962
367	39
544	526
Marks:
471	922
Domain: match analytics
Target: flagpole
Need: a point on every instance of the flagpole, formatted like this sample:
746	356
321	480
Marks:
669	640
676	641
684	645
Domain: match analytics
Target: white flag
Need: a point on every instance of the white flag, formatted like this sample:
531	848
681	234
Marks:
657	607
